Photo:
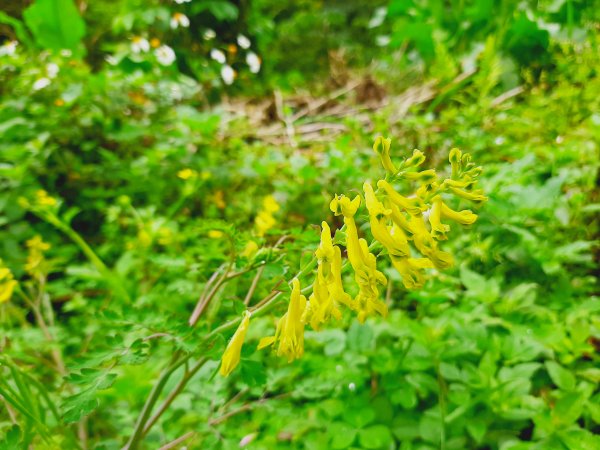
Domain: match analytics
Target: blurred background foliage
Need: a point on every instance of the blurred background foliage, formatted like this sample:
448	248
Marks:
139	141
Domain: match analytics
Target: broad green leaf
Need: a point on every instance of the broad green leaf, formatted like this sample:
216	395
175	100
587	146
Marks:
341	434
55	24
560	376
376	436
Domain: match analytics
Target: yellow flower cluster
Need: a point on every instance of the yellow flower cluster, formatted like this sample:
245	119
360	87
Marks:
407	228
35	256
265	220
7	283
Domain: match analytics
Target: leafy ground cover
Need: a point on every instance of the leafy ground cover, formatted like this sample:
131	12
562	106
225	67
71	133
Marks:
150	196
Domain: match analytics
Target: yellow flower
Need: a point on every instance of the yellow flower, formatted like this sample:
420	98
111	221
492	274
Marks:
231	355
412	205
427	245
265	220
270	204
35	256
474	195
215	234
415	160
249	250
328	290
382	148
396	244
7	283
186	174
362	261
43	199
465	217
290	328
411	270
438	229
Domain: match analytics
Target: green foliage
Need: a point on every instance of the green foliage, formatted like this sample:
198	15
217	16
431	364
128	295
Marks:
55	24
147	189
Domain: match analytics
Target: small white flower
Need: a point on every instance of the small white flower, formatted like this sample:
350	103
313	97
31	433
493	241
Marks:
66	53
179	20
110	59
52	70
352	387
499	140
218	56
253	62
139	44
228	74
8	48
243	41
165	55
209	34
181	2
41	84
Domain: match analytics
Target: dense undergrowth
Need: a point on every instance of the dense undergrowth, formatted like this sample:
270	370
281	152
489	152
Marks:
140	197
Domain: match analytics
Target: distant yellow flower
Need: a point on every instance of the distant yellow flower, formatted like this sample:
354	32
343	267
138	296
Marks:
290	328
249	250
219	199
43	199
7	283
265	220
231	355
186	174
35	256
215	234
154	43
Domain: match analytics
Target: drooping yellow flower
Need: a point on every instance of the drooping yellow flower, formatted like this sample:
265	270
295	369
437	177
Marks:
231	355
328	291
382	148
438	229
412	270
363	262
396	244
290	328
7	283
427	245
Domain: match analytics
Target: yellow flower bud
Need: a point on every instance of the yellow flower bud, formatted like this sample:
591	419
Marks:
382	148
231	355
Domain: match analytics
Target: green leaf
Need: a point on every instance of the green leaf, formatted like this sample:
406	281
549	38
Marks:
342	435
55	24
221	9
252	372
568	409
376	436
360	337
18	26
560	376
